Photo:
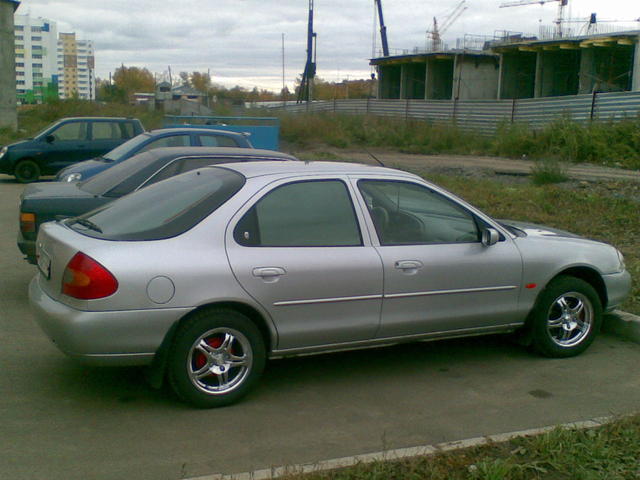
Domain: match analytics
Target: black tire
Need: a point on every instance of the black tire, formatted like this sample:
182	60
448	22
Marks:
26	171
216	357
566	318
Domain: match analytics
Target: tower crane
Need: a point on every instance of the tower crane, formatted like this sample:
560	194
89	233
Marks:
561	7
436	32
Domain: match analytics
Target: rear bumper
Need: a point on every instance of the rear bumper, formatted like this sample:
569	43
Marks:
618	288
129	337
28	248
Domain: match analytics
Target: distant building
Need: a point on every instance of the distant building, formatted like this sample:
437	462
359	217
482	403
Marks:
76	62
49	65
36	41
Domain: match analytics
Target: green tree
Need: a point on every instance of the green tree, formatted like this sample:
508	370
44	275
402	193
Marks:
133	79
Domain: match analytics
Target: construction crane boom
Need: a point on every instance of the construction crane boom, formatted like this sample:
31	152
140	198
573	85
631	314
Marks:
561	6
306	84
436	32
383	29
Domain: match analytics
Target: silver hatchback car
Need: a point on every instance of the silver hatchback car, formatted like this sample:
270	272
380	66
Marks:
206	275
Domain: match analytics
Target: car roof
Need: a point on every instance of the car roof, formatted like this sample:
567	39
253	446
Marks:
167	131
257	169
94	118
175	152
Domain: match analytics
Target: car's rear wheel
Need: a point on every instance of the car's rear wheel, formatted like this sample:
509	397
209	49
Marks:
216	357
566	318
26	171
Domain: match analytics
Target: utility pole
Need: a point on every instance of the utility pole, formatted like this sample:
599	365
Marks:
284	96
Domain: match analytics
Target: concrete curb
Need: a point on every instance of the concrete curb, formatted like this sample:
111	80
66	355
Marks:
623	324
276	472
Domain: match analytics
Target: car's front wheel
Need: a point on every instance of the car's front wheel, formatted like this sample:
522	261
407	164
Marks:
566	318
26	171
216	357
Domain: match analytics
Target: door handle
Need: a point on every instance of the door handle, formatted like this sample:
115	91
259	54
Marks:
268	272
408	266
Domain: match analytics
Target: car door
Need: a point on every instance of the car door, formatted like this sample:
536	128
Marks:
105	136
66	145
439	276
298	250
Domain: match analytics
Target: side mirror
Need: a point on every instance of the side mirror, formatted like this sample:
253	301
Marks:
490	236
49	138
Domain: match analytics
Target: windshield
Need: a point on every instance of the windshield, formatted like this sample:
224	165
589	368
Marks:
124	149
162	210
47	129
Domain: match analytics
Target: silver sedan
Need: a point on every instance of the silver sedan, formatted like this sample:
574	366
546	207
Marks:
206	275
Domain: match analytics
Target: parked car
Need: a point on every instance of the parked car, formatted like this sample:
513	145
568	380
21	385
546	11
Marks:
206	275
65	142
165	137
44	202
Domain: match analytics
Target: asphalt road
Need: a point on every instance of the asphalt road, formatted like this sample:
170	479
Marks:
63	421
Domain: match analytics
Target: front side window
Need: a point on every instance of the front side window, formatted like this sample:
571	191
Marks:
301	214
406	213
71	131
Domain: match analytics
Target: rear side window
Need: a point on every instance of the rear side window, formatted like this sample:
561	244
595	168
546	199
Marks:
217	141
172	141
162	210
301	214
106	131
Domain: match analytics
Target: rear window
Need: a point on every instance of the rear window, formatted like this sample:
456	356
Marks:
162	210
120	173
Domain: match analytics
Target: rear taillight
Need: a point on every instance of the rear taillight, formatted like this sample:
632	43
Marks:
27	222
86	279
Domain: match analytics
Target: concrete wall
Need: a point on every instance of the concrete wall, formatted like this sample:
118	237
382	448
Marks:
475	77
439	79
413	80
389	79
517	75
557	73
636	67
8	116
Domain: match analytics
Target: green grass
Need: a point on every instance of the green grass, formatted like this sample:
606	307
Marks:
607	143
548	171
609	452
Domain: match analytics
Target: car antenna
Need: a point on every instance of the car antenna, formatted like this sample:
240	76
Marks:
374	157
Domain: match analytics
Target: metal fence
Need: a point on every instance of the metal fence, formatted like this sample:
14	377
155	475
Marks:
484	116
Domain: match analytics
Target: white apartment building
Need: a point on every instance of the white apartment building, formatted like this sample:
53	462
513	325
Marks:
36	46
49	65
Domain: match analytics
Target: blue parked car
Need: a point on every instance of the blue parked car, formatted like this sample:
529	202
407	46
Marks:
166	137
66	142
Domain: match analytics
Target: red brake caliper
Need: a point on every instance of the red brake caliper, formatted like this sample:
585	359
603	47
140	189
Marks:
201	360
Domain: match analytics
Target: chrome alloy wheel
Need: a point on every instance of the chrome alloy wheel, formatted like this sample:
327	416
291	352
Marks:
570	319
219	361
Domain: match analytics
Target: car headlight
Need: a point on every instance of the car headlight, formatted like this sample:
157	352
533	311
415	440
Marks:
72	177
3	151
621	266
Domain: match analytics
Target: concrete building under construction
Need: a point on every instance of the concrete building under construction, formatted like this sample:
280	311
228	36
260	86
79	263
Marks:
515	67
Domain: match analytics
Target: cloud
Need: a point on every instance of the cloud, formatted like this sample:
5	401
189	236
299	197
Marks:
240	40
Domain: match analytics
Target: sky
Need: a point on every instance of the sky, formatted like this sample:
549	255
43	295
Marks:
240	41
